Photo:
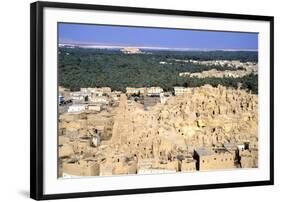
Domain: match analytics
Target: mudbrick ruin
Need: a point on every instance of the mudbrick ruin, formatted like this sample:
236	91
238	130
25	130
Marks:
203	128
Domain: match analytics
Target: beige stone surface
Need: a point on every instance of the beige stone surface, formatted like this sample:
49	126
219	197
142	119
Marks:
133	138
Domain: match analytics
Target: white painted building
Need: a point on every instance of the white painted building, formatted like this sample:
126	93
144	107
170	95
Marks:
154	91
179	90
131	90
78	95
76	108
99	99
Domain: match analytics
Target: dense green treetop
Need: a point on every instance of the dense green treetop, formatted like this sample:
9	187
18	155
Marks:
80	67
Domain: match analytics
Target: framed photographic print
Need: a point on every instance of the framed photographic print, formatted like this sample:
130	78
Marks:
136	100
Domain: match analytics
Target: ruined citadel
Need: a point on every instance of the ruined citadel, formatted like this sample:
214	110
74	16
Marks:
196	129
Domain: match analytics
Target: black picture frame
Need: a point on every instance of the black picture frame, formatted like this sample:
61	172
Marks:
36	98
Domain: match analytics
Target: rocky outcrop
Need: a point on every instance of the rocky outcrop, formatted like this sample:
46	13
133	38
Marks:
131	50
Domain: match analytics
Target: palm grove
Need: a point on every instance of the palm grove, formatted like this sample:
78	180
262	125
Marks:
80	67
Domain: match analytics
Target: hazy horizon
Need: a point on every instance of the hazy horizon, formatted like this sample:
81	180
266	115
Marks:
107	36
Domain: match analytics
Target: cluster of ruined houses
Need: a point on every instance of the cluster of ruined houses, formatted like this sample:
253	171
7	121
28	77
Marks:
203	159
92	99
97	99
198	129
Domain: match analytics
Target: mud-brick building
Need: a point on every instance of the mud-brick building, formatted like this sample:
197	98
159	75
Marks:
213	159
249	158
86	167
188	165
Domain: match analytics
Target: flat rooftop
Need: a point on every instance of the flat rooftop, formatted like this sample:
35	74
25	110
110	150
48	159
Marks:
204	152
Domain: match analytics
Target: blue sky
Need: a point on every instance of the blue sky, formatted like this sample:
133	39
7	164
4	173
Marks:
154	37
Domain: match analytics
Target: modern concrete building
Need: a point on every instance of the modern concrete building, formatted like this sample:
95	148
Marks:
78	96
99	100
77	108
132	91
154	91
179	90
